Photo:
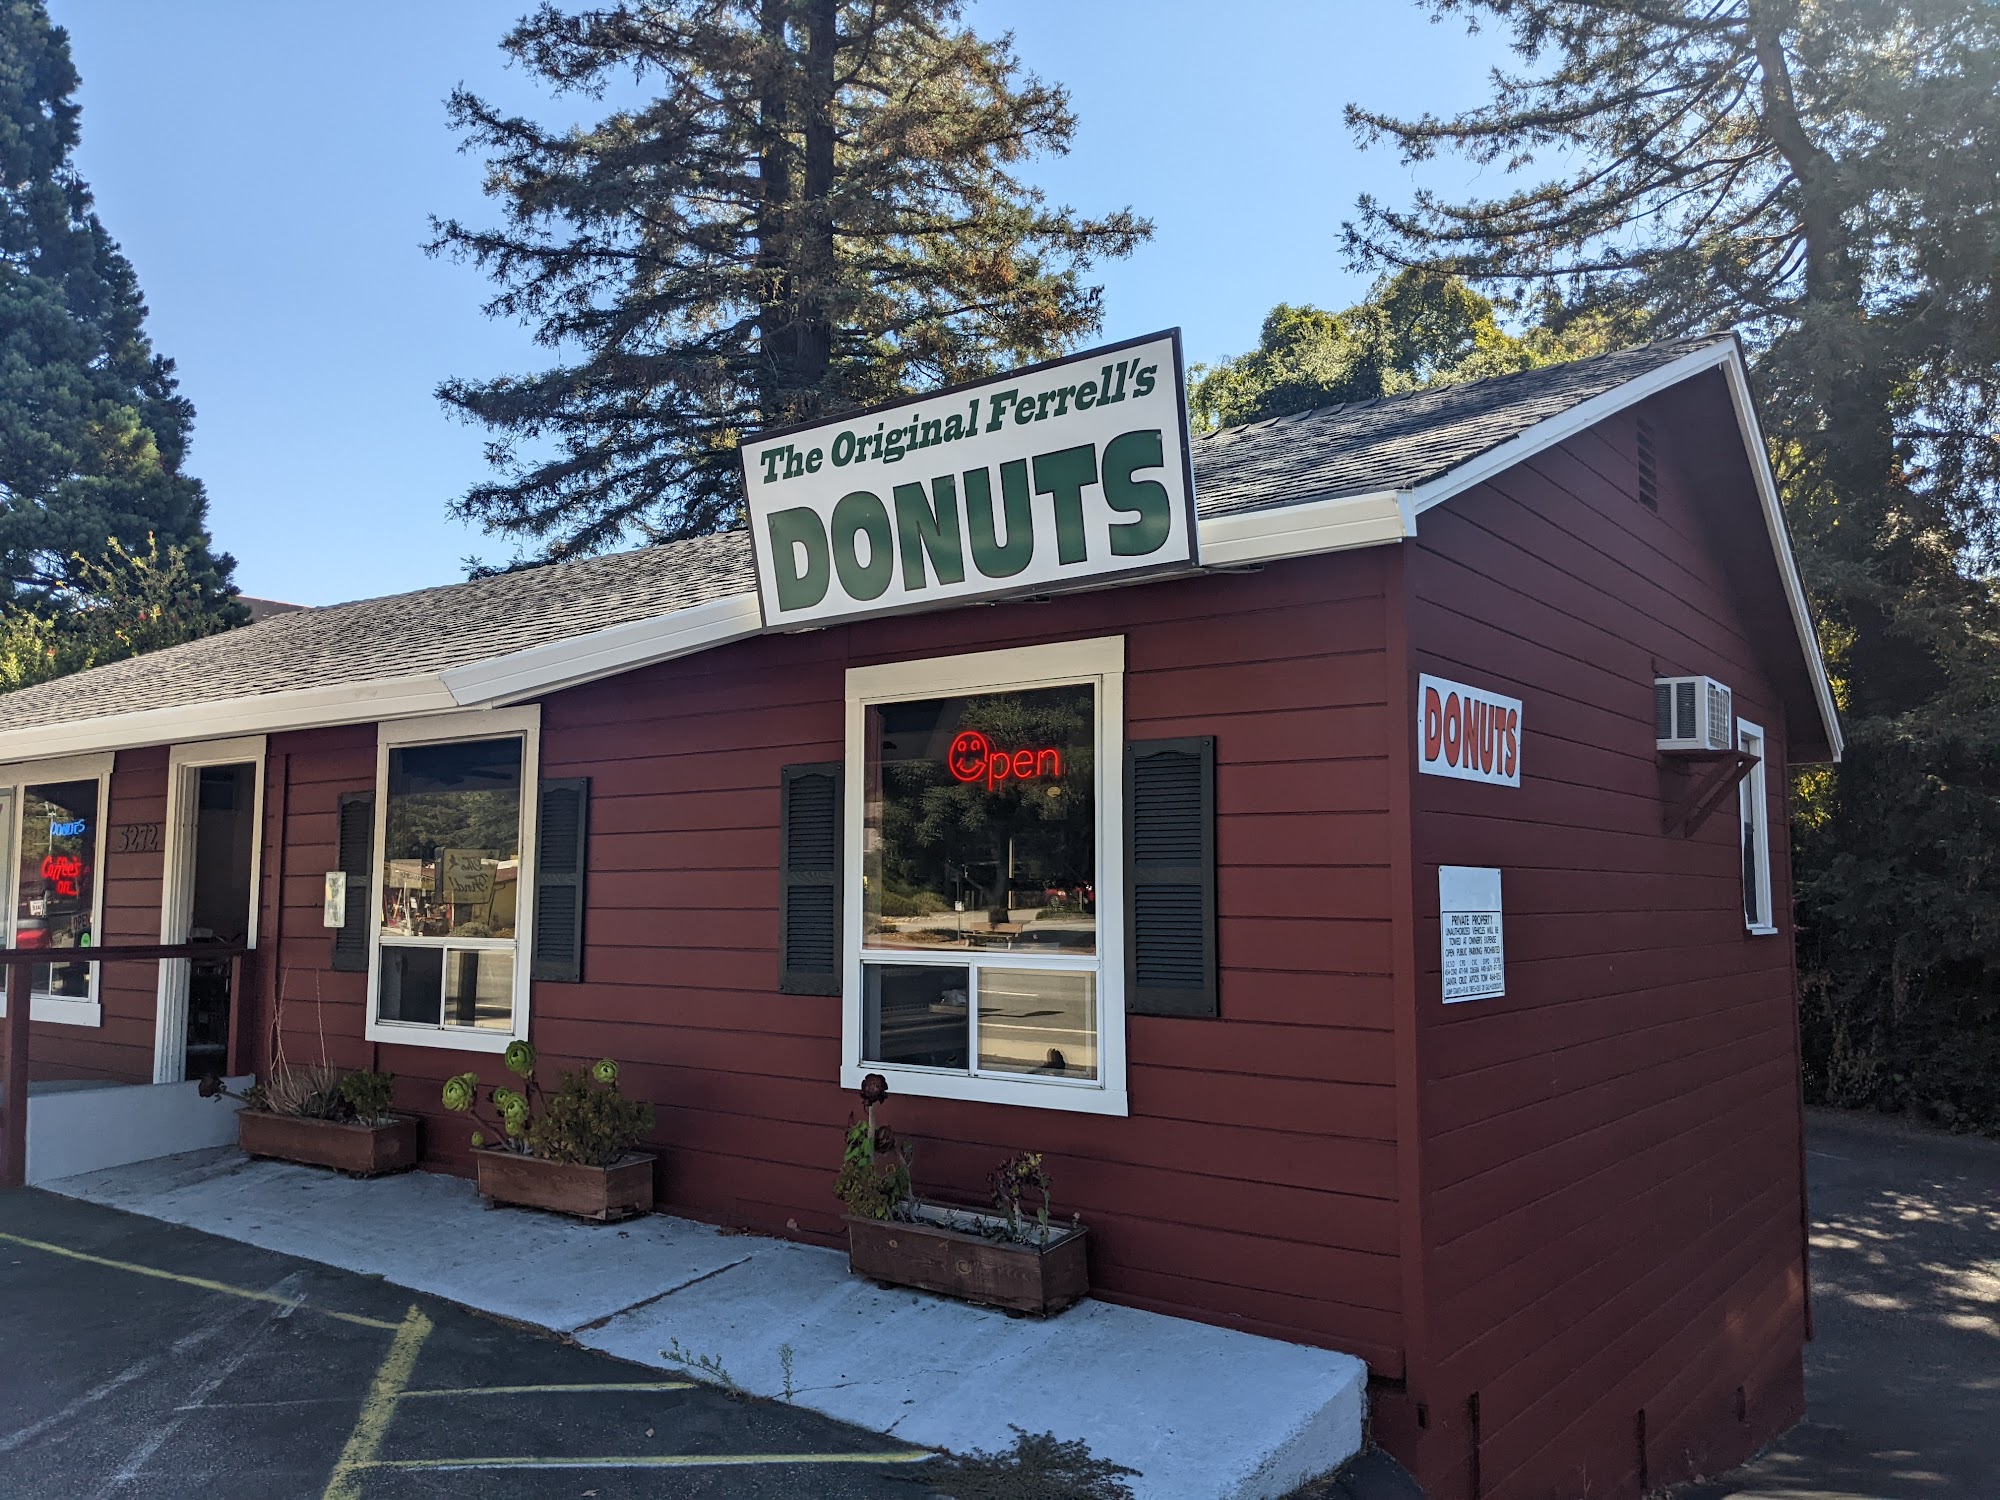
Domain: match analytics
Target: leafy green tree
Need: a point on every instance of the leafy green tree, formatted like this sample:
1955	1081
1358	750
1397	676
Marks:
125	604
92	428
1417	328
816	208
1819	175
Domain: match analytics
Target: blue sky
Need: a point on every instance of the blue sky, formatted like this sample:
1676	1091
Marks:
271	168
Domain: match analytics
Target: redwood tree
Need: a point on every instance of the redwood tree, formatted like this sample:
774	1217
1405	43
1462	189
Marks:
1819	174
815	206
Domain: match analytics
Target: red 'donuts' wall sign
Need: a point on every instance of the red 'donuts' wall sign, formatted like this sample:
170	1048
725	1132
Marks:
1467	732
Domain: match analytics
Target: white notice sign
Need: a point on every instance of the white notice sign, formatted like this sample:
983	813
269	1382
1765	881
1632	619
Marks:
1016	485
1469	906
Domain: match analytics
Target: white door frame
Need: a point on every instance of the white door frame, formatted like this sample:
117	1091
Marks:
184	766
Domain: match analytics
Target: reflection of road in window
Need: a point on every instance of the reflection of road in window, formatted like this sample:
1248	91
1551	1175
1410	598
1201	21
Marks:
1031	1021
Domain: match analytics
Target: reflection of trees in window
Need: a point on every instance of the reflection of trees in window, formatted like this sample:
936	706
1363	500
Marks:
420	824
1022	842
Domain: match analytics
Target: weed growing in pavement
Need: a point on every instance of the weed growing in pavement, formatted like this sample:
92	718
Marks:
709	1365
1039	1464
785	1360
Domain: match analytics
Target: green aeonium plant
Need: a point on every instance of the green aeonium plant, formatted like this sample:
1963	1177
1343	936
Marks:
584	1120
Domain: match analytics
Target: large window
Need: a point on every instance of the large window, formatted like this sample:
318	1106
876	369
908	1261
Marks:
981	791
1754	807
454	819
52	817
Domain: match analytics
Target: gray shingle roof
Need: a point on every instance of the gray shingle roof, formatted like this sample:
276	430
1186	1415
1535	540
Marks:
1394	443
1400	442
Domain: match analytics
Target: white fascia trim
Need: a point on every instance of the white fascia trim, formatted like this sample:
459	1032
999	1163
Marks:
1759	453
1728	355
263	713
604	653
1316	526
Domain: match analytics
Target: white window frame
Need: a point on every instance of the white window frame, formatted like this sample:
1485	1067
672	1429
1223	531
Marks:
185	763
441	729
1753	809
1100	662
64	1010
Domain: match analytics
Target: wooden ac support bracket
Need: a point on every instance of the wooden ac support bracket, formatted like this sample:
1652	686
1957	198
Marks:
1705	789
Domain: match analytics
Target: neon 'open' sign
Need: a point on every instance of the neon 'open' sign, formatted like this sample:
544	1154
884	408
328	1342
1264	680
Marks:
973	759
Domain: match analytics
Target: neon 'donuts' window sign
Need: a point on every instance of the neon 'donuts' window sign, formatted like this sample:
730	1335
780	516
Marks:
1061	472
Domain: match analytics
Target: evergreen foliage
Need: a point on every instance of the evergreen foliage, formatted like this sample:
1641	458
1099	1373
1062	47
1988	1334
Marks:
816	209
92	427
1819	176
127	604
1417	328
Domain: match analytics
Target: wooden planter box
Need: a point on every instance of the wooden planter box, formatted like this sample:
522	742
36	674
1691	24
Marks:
622	1190
358	1150
1020	1278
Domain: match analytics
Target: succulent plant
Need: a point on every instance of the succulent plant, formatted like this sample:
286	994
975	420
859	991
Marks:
605	1071
520	1059
461	1092
478	1139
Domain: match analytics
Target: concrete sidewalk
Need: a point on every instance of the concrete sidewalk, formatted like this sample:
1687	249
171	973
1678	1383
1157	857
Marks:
1202	1413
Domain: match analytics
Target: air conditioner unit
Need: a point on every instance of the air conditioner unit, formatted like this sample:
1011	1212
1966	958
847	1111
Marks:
1693	713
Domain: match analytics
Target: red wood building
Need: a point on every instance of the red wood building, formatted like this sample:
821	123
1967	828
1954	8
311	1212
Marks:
600	806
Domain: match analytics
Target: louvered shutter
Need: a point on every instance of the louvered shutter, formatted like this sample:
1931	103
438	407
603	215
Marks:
357	858
562	836
1170	877
809	880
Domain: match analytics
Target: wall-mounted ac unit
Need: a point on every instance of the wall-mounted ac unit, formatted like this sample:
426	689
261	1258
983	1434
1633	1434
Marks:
1693	713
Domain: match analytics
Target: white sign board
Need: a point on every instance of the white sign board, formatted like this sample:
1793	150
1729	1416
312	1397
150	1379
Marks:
1469	907
1467	732
1031	481
335	908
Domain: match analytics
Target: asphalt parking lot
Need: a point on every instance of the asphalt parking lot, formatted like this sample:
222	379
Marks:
141	1359
1903	1375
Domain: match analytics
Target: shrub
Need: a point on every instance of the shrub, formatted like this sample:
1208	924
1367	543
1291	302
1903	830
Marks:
586	1120
369	1095
311	1093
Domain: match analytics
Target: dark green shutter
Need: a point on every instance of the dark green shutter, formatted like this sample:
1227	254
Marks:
809	879
1170	963
357	857
561	848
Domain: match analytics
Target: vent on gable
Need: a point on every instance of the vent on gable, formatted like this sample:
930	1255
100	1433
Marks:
1649	467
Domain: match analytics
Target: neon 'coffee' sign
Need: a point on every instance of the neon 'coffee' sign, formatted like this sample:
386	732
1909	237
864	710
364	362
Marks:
972	759
64	871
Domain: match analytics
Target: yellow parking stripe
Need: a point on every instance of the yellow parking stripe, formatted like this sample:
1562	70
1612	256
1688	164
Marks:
380	1407
549	1390
249	1293
652	1461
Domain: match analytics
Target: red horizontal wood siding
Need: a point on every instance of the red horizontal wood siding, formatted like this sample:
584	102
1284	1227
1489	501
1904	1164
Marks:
120	1048
1254	1183
1610	1218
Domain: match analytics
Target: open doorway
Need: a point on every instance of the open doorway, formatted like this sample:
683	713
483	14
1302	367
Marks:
214	814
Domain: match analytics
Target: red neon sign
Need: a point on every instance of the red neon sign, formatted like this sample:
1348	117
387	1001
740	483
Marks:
972	758
65	870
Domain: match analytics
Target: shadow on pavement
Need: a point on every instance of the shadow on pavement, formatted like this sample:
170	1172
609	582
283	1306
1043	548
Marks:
1903	1375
